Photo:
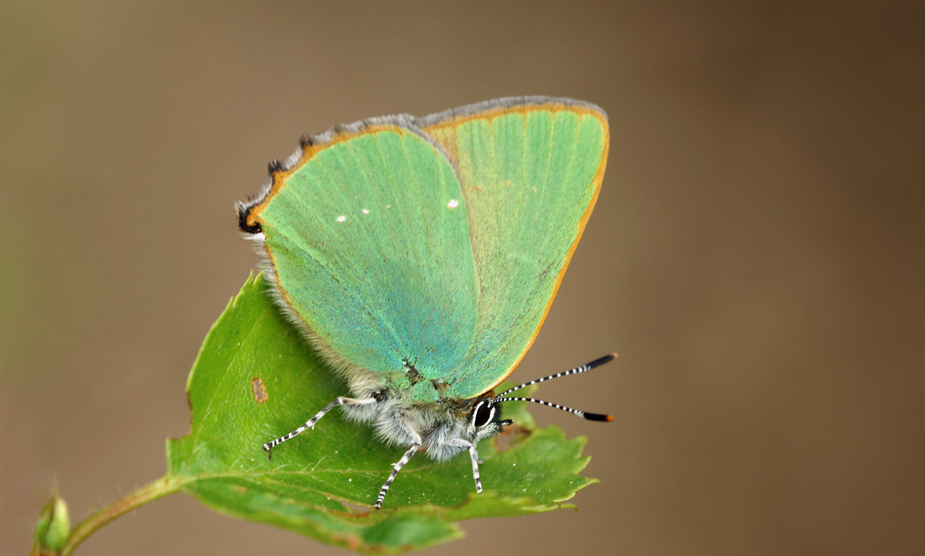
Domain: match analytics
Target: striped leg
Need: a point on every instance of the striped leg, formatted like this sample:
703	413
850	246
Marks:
473	453
401	463
311	422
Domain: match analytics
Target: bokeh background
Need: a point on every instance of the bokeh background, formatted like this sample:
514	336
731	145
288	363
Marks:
756	255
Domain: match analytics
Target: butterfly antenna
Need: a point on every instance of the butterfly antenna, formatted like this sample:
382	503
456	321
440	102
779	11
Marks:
586	415
583	369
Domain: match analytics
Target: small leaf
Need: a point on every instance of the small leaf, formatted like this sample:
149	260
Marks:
256	379
53	526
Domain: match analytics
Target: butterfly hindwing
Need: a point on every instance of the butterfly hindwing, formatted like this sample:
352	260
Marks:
369	241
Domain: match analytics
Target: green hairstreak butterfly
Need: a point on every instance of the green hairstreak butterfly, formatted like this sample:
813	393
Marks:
421	255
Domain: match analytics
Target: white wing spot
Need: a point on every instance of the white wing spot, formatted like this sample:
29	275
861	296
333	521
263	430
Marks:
342	218
453	203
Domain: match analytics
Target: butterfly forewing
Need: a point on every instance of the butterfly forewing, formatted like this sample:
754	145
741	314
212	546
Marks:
530	175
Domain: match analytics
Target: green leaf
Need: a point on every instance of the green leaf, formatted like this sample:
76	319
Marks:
256	379
53	526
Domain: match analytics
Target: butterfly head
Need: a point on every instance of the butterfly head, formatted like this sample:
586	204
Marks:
484	421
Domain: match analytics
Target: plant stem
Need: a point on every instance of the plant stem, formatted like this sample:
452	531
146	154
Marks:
139	497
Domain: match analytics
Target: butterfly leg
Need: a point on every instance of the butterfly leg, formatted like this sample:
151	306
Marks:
311	422
474	455
401	463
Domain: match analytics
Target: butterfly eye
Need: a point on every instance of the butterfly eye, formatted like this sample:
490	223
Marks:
484	412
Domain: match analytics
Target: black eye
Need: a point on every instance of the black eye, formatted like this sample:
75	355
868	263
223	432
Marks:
483	414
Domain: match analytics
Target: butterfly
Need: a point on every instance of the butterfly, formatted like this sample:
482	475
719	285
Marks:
420	257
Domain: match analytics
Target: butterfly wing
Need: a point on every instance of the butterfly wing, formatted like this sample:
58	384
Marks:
437	242
530	171
366	233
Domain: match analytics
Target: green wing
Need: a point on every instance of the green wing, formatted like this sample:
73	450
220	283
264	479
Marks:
530	169
368	239
436	242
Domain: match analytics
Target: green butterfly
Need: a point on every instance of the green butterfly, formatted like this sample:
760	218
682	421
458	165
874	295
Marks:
420	256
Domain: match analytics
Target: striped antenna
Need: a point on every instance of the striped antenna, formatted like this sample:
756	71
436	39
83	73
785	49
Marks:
582	369
588	416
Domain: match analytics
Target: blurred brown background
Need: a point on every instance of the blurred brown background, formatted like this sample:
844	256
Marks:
756	255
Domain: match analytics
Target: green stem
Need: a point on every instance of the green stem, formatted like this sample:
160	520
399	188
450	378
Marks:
150	492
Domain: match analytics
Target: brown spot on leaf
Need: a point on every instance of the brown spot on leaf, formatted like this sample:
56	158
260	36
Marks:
260	391
239	488
510	436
